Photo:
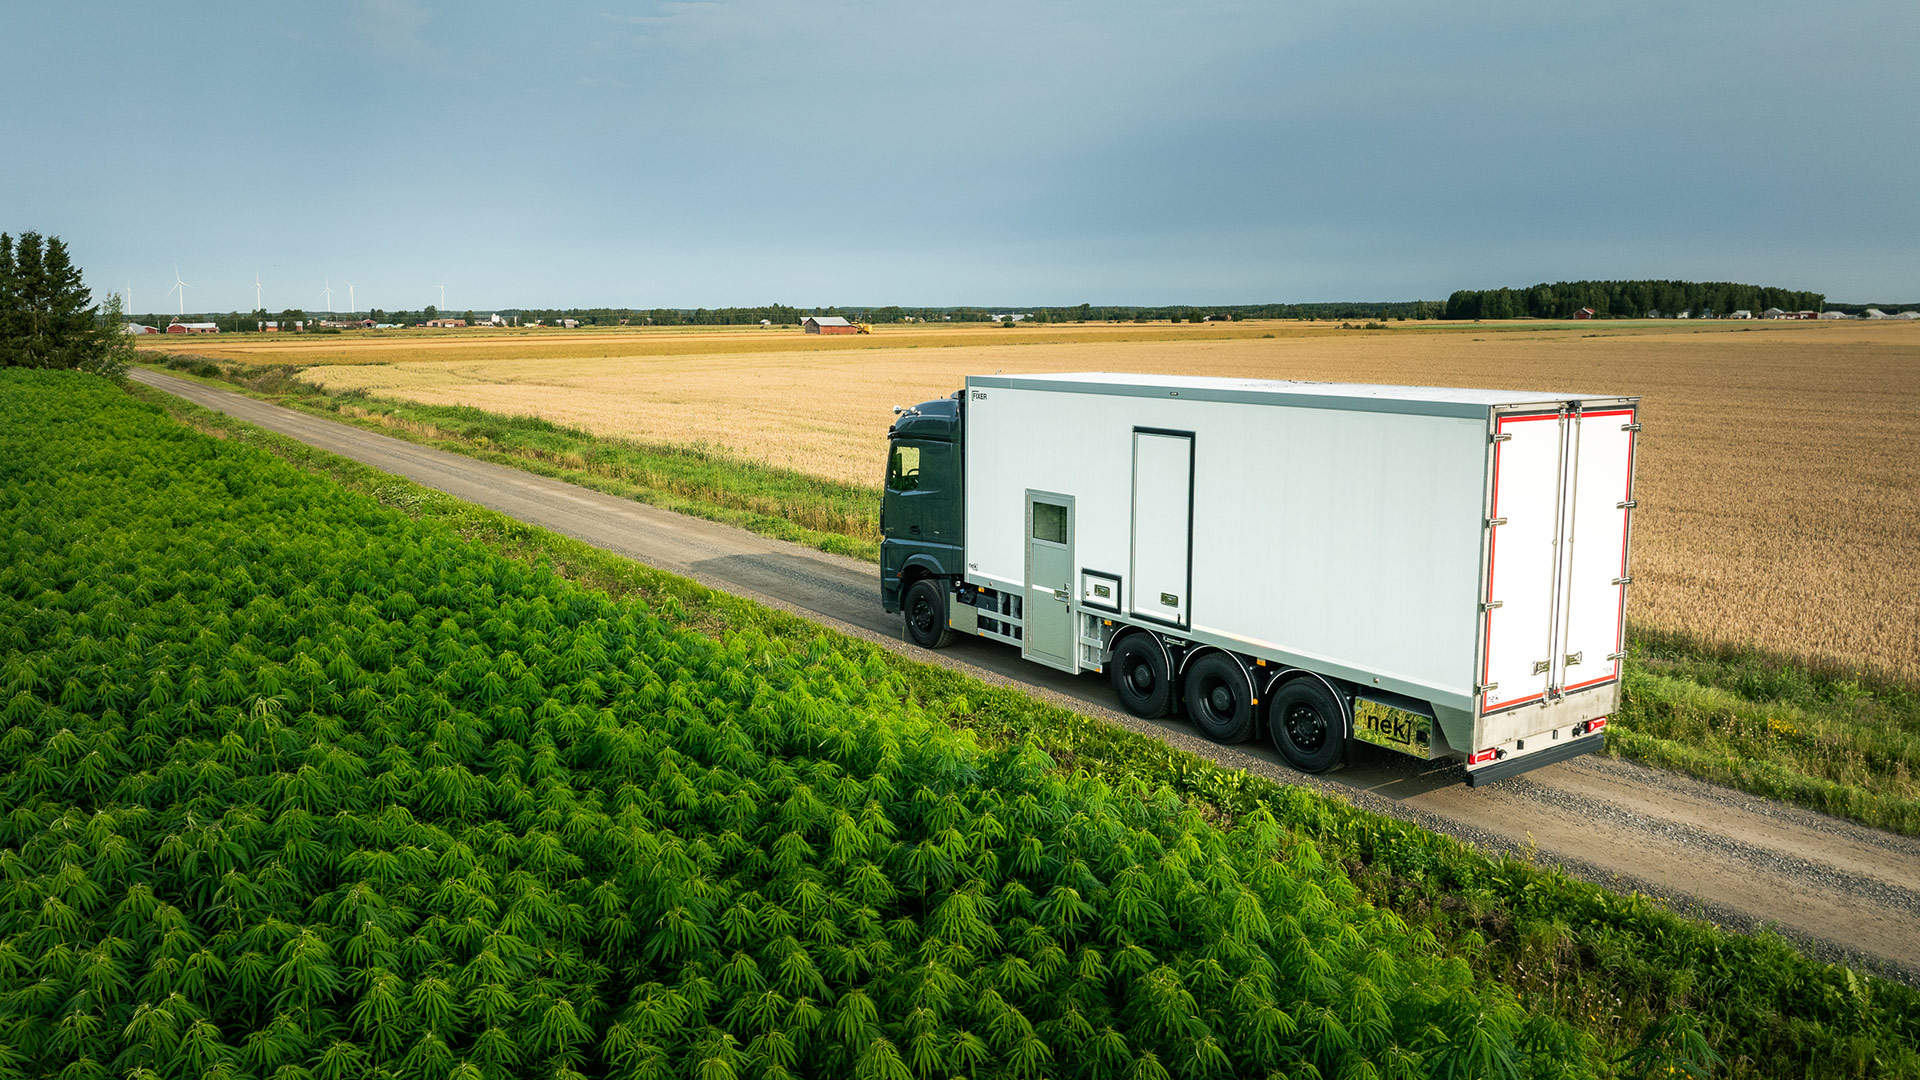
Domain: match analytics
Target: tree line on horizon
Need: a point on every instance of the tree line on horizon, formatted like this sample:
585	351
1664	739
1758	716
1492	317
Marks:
786	315
1626	300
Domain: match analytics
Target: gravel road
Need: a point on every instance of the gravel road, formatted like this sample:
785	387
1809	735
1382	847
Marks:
1842	890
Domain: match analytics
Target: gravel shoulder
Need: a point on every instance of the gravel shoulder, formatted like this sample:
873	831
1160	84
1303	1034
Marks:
1842	890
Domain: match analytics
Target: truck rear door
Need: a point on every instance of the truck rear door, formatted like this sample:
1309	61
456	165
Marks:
1556	568
1522	549
1599	510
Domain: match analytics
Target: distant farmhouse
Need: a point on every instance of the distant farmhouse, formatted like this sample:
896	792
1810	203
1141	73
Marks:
193	328
826	324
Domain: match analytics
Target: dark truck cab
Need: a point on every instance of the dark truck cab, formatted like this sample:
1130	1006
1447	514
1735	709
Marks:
921	509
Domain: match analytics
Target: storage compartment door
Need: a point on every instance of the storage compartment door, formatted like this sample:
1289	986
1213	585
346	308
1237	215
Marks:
1521	561
1162	525
1595	593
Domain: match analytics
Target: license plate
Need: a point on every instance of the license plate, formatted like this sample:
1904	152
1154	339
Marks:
1395	729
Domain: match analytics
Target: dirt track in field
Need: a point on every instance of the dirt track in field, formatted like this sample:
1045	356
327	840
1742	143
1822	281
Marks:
1841	889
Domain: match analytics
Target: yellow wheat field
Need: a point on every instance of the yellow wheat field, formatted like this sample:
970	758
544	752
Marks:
1779	472
409	345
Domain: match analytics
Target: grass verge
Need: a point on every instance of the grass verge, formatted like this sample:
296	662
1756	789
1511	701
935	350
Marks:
840	518
1844	742
1623	969
1819	735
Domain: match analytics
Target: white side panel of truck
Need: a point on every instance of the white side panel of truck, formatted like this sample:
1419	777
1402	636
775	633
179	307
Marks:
1357	542
1347	540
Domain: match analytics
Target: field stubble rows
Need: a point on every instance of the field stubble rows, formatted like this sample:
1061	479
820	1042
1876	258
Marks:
1779	475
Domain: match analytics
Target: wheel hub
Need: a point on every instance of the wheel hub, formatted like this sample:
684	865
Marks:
1306	727
1221	698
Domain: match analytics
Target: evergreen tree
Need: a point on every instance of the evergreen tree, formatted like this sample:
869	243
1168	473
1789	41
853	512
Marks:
46	318
9	306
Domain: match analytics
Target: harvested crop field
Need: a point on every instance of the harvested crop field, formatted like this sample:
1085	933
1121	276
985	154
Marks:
1779	474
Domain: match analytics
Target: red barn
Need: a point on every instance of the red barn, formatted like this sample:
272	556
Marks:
827	324
1584	313
192	328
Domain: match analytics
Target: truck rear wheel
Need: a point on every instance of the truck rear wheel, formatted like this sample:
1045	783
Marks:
1142	675
1307	725
925	608
1220	698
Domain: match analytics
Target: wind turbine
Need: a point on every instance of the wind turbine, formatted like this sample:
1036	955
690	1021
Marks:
329	291
352	307
256	289
179	286
129	298
443	297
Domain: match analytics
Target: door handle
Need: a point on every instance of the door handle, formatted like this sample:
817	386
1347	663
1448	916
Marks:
1059	594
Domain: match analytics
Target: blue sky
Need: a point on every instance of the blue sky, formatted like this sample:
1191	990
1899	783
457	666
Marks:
716	153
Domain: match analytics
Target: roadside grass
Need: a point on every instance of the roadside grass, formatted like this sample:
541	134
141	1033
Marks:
1816	734
1844	742
835	517
1622	969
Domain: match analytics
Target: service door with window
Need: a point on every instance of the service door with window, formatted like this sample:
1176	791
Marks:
1048	636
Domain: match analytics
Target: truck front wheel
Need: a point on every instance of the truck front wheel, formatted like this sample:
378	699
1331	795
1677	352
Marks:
925	608
1142	676
1307	726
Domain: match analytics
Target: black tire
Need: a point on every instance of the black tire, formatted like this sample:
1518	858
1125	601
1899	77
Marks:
1307	724
1220	696
925	609
1142	677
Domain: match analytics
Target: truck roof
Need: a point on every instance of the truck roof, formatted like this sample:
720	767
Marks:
1365	397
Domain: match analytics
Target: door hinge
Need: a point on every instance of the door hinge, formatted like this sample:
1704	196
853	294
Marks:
1575	657
1616	656
1628	505
1491	604
1628	580
1629	427
1491	522
1502	437
1540	667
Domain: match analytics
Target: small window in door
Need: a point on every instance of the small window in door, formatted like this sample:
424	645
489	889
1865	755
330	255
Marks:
1050	523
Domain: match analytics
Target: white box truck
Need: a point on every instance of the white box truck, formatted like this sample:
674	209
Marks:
1441	572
